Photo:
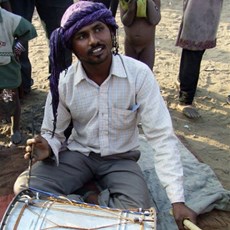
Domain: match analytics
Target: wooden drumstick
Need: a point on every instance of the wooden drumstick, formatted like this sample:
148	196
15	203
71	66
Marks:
32	151
190	225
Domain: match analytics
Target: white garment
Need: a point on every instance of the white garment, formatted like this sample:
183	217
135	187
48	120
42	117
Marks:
105	117
7	30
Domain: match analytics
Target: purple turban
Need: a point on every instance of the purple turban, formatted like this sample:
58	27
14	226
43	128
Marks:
77	16
84	13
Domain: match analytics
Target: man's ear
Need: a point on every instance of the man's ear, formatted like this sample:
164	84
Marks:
112	33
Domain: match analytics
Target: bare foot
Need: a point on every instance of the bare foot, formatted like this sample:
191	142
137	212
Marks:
91	197
228	99
189	111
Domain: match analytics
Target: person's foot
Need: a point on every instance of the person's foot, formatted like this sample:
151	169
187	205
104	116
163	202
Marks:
27	90
91	197
177	84
16	137
189	111
228	99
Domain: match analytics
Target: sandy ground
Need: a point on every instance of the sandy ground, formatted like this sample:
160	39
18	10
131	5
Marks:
208	138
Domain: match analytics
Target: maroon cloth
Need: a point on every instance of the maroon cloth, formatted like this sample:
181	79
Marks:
199	24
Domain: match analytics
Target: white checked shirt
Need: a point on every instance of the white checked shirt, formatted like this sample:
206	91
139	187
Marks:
105	117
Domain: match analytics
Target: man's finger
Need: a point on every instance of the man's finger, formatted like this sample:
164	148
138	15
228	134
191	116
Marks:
31	141
28	149
27	155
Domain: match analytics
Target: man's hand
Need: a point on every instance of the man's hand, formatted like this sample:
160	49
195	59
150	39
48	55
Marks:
18	48
37	148
182	212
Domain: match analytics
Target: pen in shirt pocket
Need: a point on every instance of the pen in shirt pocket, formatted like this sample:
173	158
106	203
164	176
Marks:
135	107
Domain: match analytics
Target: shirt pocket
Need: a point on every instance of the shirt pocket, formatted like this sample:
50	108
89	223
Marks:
123	119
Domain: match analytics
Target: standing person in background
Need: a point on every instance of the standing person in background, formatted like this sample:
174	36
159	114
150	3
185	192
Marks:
50	13
110	4
5	4
197	33
140	19
15	31
105	94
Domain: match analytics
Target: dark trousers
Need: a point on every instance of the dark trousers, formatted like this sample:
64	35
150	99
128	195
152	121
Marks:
50	13
120	178
189	75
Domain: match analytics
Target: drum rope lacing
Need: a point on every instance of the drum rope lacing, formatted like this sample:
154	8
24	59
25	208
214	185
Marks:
115	212
19	217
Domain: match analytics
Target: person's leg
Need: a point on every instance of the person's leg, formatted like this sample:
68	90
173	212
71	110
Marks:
114	6
7	105
123	184
188	77
147	55
130	50
73	171
51	21
24	9
16	137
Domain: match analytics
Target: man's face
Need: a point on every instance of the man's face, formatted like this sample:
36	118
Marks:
93	43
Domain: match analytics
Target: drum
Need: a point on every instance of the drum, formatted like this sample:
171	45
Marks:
35	211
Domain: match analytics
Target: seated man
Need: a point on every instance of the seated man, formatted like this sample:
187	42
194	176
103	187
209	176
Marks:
105	95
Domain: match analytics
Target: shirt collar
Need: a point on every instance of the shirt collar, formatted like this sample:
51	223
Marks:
117	69
80	72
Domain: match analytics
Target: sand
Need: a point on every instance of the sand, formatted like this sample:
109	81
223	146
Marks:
207	138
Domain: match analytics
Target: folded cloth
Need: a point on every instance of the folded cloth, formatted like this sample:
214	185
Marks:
203	191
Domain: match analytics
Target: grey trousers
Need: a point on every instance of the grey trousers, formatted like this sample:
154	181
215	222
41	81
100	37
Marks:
119	177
